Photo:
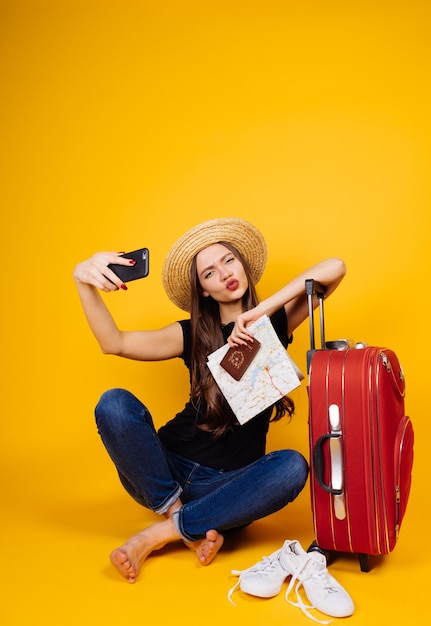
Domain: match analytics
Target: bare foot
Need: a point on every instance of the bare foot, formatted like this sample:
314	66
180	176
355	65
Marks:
206	549
129	557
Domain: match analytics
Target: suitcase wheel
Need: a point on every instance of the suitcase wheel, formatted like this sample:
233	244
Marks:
364	562
364	559
314	547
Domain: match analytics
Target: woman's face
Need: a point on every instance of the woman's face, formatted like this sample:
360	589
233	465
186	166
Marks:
221	274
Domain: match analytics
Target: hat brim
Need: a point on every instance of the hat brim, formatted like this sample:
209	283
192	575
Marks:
246	238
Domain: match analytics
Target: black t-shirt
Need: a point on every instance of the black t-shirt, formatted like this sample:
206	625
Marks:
239	445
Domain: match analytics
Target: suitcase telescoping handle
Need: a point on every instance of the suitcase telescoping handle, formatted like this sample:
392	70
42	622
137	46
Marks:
312	287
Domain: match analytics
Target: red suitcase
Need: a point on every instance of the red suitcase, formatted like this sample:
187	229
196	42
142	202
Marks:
361	444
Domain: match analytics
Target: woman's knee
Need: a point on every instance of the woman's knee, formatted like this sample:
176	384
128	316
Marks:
301	465
295	466
116	406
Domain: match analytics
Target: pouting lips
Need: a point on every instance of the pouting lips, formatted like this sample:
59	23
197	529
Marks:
232	284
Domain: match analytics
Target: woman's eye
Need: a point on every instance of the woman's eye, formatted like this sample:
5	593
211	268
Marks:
230	259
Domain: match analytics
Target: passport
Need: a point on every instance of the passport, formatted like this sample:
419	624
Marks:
237	360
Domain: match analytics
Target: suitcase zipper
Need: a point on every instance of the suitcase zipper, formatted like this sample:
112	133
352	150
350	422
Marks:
398	384
397	517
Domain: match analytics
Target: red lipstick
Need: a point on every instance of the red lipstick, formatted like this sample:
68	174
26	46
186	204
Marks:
232	284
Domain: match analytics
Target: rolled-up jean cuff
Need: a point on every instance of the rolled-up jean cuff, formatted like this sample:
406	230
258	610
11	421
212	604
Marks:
179	529
169	502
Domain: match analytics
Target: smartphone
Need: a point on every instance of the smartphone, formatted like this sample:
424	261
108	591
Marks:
132	272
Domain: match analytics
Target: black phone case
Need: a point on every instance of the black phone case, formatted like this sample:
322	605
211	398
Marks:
132	272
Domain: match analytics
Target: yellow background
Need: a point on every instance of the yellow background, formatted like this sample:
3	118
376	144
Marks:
122	124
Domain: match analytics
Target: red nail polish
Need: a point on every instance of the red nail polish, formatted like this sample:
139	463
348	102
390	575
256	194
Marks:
132	262
123	286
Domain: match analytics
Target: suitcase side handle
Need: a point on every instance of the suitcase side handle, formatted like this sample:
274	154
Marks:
336	462
318	463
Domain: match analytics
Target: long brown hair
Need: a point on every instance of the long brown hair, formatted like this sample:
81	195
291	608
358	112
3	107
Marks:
207	336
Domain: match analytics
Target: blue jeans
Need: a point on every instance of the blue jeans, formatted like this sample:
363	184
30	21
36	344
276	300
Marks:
211	498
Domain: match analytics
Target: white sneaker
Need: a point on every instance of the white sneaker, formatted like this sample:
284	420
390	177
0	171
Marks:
323	591
265	578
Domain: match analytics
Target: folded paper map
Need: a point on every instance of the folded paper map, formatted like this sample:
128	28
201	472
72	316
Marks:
270	376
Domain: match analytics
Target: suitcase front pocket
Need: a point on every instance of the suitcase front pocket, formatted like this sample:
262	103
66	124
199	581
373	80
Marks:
403	456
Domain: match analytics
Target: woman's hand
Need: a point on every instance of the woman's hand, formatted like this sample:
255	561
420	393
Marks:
240	335
95	271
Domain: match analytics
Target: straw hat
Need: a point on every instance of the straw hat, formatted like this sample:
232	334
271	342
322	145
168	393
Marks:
240	233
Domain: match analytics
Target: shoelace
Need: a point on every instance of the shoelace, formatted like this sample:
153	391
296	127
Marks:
318	576
262	567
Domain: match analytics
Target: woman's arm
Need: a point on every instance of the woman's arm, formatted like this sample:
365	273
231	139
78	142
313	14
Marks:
93	275
292	296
